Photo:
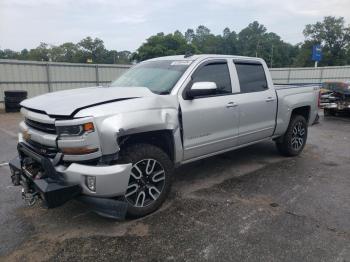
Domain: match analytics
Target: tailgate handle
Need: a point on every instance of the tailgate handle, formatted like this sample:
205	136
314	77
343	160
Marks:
270	99
231	104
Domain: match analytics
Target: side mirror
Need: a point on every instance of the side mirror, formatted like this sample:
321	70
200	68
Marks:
202	89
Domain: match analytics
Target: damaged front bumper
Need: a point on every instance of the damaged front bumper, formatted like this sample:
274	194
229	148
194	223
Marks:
58	184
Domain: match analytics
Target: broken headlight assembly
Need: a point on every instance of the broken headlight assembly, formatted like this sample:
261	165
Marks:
70	132
76	130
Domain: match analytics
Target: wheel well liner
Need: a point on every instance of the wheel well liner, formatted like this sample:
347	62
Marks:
163	139
303	111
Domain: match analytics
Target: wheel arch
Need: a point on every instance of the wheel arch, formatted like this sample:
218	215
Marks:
164	139
303	111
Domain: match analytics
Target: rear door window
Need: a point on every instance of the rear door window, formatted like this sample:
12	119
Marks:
251	77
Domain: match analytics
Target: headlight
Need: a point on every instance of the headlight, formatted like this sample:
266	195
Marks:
76	130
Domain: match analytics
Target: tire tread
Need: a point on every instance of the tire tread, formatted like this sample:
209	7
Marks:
137	152
283	145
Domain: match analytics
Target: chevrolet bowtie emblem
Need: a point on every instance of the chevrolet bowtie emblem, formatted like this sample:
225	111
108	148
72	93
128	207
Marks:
43	151
26	135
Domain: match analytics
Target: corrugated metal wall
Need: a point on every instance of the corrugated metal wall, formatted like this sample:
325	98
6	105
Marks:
310	74
42	77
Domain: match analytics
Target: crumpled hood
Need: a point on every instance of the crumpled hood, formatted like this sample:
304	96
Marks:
69	102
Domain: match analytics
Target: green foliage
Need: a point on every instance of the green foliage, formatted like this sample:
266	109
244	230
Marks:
163	45
334	37
253	40
87	48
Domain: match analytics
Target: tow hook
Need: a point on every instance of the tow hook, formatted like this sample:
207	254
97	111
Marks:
16	178
29	198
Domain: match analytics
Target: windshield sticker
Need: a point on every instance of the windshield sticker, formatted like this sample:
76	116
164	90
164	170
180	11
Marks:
175	63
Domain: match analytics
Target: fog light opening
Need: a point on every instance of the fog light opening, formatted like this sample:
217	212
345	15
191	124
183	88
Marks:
91	183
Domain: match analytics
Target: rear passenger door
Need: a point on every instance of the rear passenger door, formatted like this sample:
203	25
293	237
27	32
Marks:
257	102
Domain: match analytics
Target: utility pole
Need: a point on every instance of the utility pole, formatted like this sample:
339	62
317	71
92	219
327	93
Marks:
257	47
271	57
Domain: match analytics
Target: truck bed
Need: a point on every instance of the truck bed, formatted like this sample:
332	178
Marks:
287	86
295	96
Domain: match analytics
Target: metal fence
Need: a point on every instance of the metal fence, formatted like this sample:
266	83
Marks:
306	75
42	77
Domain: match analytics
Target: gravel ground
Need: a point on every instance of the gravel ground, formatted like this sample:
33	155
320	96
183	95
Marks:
246	205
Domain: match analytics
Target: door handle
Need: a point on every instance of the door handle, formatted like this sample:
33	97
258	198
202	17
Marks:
231	104
270	99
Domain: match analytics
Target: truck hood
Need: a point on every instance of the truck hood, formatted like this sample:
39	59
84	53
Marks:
69	102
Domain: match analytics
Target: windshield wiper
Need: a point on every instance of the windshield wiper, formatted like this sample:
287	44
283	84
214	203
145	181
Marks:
164	93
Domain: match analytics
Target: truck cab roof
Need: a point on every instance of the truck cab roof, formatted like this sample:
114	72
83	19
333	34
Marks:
205	56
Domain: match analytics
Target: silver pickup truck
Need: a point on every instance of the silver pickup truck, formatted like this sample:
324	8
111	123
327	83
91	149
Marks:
116	147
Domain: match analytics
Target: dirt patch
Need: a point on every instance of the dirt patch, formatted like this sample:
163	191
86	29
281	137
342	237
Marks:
139	229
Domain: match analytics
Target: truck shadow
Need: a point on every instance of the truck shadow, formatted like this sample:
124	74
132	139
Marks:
214	170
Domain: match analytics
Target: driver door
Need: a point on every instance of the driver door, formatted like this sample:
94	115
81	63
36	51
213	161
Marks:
210	123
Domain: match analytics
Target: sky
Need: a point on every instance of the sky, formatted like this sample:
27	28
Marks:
125	25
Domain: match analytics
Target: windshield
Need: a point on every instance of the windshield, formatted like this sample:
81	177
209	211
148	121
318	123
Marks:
158	76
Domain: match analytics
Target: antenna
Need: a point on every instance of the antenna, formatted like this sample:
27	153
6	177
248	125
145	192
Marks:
188	54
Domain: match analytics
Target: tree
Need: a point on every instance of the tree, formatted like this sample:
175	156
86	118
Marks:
189	35
254	40
163	45
303	57
203	39
40	53
24	54
8	54
334	38
124	57
229	45
250	39
70	53
93	48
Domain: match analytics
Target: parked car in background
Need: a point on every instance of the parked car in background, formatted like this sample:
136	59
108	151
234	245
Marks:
335	97
116	147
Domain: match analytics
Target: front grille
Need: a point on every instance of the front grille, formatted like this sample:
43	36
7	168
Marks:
47	128
42	149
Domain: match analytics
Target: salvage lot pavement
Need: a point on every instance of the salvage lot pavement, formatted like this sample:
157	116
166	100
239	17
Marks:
246	205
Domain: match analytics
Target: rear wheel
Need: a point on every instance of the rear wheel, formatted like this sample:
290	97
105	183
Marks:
150	178
294	140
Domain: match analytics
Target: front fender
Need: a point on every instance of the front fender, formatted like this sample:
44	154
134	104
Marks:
128	123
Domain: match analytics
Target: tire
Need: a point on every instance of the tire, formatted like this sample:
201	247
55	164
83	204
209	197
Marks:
11	110
12	105
16	93
143	156
9	99
293	141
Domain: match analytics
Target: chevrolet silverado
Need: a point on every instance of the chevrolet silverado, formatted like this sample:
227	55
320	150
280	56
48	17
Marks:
115	147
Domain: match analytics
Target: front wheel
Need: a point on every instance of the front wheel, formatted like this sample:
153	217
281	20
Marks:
150	178
293	141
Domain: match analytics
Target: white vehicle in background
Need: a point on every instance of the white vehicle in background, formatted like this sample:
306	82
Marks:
116	147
